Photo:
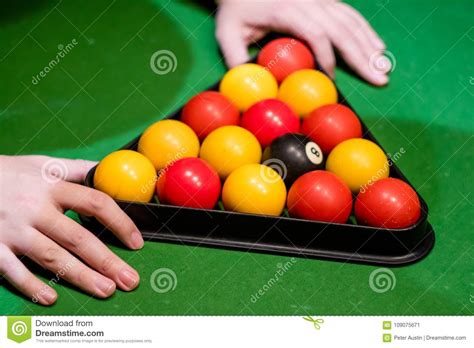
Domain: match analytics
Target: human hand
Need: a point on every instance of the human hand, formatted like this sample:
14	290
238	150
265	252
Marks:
322	24
34	193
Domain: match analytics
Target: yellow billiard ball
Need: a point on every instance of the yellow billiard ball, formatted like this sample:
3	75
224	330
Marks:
254	189
247	84
306	90
126	175
358	162
167	141
230	147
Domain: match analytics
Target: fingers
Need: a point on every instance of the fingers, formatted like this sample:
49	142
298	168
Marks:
63	168
354	48
376	41
232	42
90	202
351	30
302	26
77	169
322	48
52	257
321	25
23	280
354	45
89	248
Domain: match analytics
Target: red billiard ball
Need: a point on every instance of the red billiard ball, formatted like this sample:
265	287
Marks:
269	119
320	195
189	182
207	111
330	125
284	56
389	202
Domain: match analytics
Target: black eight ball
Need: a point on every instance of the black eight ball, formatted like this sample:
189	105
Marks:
292	155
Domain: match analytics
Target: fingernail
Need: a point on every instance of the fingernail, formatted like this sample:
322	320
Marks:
137	240
48	296
380	44
104	285
380	79
128	278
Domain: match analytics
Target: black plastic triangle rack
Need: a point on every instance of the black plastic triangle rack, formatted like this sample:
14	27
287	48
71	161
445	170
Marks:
279	235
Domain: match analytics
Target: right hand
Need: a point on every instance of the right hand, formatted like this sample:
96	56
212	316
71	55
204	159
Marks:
322	24
33	224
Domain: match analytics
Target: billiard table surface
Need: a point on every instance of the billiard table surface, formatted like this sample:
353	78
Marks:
103	93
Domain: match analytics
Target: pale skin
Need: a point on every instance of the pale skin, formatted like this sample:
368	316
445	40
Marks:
33	201
32	224
324	25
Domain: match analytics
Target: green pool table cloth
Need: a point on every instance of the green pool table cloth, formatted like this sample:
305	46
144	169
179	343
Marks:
102	93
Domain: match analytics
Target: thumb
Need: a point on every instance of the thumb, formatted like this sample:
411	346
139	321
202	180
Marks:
232	43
